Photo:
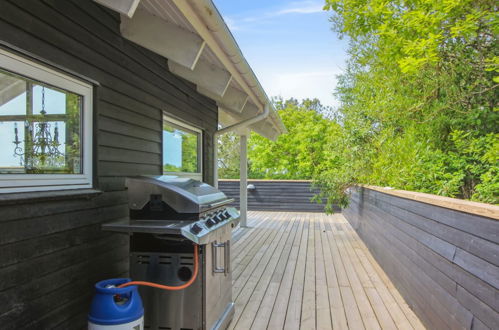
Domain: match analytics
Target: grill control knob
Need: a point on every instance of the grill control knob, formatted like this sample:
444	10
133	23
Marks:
210	223
196	229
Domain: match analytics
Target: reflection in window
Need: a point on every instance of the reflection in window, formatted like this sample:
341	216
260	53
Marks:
39	127
181	149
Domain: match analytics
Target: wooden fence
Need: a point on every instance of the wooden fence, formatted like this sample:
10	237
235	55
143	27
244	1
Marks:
443	260
275	195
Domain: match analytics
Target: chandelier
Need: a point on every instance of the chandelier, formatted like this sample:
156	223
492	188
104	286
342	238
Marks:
41	149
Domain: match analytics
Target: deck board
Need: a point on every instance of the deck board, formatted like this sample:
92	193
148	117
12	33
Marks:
255	287
278	313
337	309
294	270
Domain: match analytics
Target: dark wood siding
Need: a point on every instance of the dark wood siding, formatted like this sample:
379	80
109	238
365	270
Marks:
53	249
444	262
271	195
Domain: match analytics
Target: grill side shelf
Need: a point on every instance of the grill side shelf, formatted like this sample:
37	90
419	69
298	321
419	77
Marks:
146	226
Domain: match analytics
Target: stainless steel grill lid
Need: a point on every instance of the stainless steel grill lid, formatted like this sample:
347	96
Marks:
184	195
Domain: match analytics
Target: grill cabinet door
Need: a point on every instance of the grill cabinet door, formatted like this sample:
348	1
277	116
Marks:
173	310
212	287
218	295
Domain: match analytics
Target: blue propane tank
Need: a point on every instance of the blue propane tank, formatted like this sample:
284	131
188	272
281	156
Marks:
114	308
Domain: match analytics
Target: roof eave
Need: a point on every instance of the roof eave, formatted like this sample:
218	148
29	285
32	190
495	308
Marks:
209	24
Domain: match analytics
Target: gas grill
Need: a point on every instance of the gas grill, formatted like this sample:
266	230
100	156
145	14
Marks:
168	214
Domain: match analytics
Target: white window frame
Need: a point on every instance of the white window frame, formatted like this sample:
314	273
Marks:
181	124
12	183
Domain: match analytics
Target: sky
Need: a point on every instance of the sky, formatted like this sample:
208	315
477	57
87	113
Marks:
289	45
172	148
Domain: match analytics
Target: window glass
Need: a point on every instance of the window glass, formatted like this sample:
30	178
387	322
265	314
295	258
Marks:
40	127
181	149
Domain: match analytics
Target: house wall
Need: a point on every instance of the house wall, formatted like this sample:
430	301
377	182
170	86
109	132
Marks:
444	262
52	247
275	195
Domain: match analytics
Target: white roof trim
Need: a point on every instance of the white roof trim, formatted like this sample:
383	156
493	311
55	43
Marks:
208	23
176	44
210	54
125	7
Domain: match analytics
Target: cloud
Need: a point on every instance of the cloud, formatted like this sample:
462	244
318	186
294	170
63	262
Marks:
308	8
231	24
300	8
292	49
301	85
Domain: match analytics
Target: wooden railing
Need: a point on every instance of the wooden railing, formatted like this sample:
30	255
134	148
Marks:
441	253
275	195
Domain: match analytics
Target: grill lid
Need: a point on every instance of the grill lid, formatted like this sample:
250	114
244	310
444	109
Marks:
184	195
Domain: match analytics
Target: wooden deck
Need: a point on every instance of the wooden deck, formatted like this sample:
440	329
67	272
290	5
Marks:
310	271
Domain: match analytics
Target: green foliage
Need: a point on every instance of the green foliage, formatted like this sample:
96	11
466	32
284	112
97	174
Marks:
418	105
302	153
73	144
419	98
189	151
228	156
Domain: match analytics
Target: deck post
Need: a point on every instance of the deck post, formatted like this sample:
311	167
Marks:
243	174
215	157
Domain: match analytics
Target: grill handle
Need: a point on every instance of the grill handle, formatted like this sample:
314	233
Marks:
224	202
227	257
226	268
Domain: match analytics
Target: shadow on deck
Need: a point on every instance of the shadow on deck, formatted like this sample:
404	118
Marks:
310	271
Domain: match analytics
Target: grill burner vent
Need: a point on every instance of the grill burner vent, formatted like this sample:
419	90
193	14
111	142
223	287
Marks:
143	259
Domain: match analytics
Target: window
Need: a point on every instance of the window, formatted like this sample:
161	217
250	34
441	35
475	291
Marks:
182	149
45	128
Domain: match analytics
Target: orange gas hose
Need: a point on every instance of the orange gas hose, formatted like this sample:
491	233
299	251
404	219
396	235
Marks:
167	287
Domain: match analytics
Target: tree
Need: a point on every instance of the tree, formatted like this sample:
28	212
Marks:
228	156
303	151
419	98
300	154
188	149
